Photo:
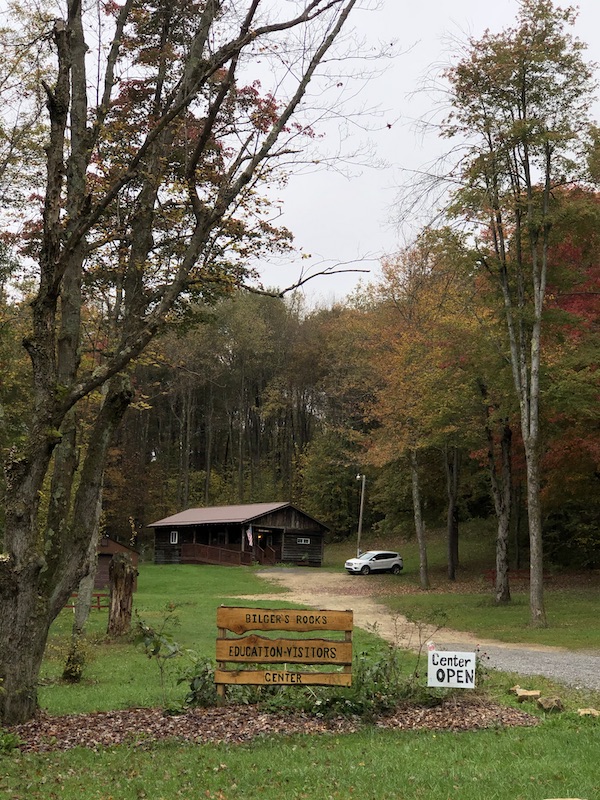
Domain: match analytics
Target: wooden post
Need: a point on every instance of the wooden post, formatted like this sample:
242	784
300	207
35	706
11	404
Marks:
222	632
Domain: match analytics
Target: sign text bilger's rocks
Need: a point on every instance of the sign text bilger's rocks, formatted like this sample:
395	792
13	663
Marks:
262	654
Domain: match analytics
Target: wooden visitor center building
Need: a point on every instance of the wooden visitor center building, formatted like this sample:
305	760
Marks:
264	533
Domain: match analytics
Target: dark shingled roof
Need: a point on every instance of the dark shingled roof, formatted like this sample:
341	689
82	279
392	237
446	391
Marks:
216	514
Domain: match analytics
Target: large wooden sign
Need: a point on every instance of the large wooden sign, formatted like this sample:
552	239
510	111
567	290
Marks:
264	654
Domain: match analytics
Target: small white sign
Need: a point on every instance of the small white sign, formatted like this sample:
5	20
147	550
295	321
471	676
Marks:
452	670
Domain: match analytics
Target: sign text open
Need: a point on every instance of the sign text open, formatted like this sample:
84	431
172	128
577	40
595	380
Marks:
452	670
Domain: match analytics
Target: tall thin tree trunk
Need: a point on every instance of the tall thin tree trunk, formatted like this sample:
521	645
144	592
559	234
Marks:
85	589
418	517
502	496
73	669
501	488
536	560
452	465
517	524
185	446
209	445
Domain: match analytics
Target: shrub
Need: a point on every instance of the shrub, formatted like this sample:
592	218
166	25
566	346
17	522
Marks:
159	644
379	683
8	742
73	669
200	676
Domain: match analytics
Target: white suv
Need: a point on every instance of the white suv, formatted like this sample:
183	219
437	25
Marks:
375	561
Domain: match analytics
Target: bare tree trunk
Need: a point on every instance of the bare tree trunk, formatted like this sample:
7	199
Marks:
73	669
35	586
501	488
418	517
26	620
209	423
536	560
502	496
86	584
242	429
452	466
122	579
517	524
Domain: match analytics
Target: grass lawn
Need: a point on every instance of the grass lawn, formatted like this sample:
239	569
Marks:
573	616
119	675
558	758
572	601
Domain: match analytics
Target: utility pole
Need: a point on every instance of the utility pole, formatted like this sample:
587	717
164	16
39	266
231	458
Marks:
362	478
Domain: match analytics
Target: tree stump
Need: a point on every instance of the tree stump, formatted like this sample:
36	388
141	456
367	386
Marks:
122	576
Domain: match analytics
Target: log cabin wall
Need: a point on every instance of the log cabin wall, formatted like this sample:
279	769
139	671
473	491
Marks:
284	535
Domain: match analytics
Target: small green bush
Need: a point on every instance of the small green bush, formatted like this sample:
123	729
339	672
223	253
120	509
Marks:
76	658
160	645
8	742
200	676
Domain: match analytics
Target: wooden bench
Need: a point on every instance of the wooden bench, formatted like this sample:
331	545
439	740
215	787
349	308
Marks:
100	600
514	575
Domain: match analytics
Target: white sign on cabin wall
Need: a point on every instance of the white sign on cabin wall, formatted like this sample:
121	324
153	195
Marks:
451	670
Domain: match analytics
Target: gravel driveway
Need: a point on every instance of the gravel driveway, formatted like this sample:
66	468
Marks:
340	591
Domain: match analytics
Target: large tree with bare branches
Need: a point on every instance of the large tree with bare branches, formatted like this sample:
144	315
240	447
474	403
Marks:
158	138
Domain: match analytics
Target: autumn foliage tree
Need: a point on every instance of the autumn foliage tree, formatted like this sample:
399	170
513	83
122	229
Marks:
150	196
572	384
520	99
426	400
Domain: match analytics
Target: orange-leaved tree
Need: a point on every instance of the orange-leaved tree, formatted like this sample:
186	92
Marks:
428	395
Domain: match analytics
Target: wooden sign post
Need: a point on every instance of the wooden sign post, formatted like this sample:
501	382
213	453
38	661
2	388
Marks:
263	654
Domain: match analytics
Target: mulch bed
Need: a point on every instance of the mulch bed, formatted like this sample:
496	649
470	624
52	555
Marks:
141	727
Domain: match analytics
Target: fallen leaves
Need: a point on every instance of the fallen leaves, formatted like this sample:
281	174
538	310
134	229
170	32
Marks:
140	727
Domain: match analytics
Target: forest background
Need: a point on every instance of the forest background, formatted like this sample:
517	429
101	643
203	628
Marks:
267	400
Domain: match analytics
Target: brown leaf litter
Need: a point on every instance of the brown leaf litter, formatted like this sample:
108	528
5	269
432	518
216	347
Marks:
234	724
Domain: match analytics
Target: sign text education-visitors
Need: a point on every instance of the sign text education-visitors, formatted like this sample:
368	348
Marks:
277	651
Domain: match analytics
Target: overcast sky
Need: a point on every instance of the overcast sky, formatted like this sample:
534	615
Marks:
336	218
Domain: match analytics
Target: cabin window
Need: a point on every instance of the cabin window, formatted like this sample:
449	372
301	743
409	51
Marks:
174	537
303	541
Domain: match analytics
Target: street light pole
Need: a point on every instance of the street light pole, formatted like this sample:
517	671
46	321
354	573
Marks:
362	478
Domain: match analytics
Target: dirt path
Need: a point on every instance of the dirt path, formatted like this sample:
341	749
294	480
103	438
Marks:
339	591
